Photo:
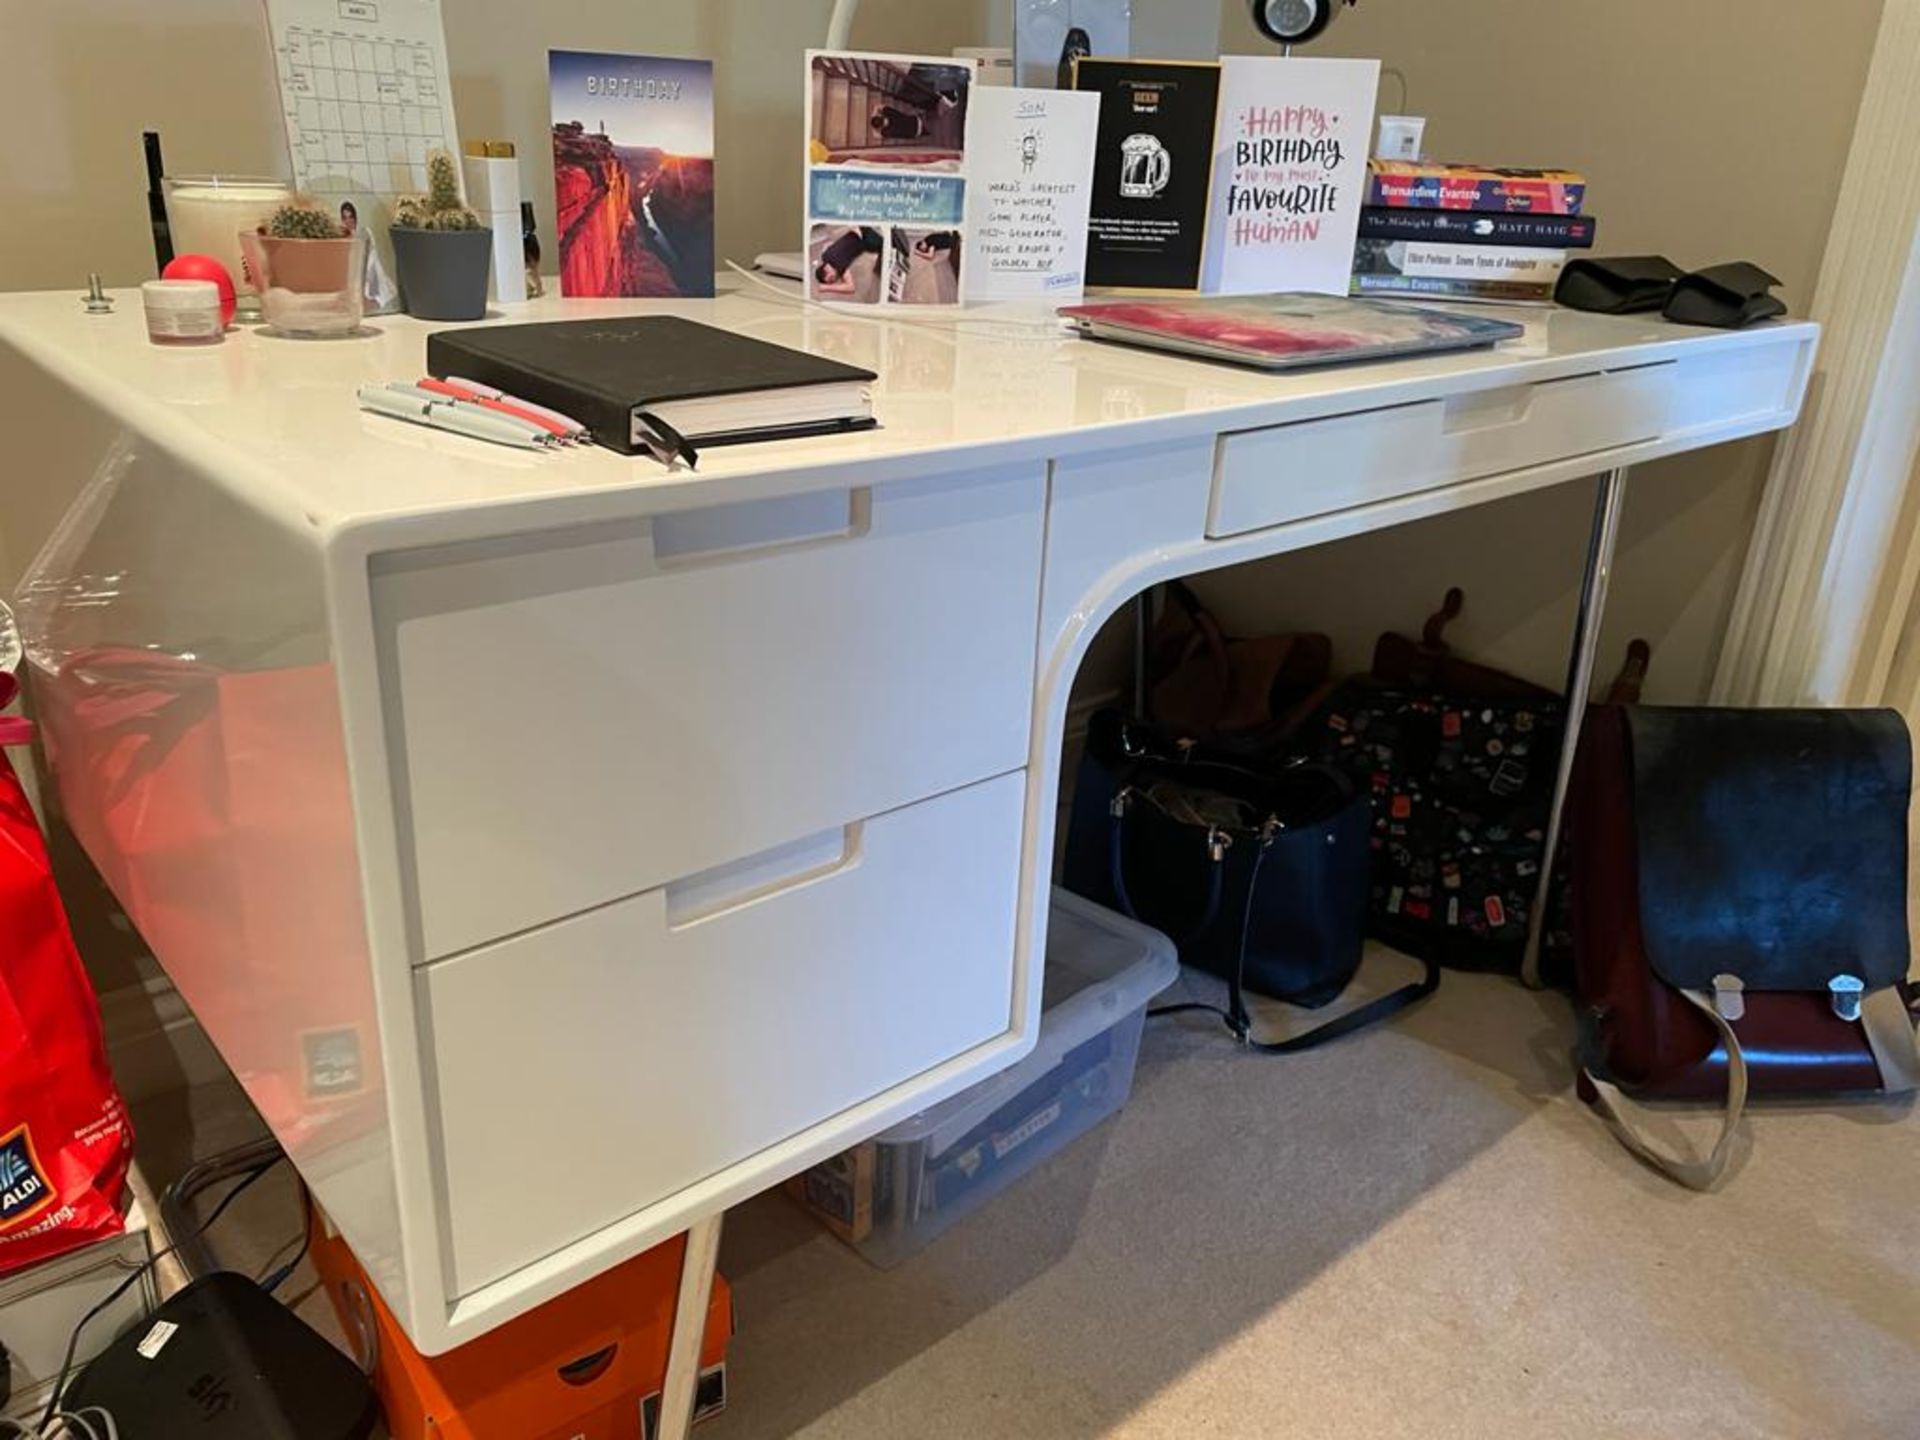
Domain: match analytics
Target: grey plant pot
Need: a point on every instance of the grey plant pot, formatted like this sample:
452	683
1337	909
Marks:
443	273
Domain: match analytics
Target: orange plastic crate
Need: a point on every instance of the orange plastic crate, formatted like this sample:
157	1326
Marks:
588	1365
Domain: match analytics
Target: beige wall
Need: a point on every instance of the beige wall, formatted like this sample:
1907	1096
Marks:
83	78
1710	130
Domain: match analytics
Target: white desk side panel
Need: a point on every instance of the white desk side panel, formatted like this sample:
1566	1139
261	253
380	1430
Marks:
181	674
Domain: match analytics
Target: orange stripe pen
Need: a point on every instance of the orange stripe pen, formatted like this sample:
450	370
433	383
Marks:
505	407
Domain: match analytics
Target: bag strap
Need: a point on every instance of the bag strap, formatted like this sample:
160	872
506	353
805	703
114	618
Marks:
1117	858
1184	629
1433	633
1884	1018
1623	1115
1240	1023
1632	678
1888	1025
1358	1018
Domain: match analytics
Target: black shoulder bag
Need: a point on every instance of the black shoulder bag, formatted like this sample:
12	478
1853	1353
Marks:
1258	877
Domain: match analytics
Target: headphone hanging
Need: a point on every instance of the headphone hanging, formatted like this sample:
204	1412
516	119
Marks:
1293	22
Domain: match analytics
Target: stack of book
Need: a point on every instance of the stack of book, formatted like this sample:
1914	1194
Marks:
1461	232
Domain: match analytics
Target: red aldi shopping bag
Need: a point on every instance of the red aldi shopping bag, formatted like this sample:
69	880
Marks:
65	1142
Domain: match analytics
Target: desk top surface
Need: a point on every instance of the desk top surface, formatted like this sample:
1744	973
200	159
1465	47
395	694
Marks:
277	418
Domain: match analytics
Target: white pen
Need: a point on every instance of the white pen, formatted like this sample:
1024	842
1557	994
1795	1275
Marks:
533	428
465	420
532	409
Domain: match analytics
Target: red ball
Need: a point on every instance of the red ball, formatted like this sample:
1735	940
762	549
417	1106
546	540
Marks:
204	267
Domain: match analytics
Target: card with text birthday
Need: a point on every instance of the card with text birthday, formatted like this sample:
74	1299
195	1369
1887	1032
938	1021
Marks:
632	174
1290	174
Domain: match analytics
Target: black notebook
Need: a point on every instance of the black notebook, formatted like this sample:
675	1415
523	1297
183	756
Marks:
629	377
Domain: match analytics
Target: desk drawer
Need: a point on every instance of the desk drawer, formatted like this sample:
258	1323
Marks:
582	716
1727	387
1315	467
599	1065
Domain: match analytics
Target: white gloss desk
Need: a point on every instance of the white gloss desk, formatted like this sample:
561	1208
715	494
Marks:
561	849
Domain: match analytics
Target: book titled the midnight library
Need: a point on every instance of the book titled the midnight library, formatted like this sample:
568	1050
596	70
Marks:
1152	171
1466	227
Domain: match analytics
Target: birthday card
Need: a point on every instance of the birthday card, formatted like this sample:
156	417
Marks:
1289	173
886	178
1151	169
632	174
1032	188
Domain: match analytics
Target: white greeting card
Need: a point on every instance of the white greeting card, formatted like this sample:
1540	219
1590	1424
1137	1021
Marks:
1031	156
886	179
1290	172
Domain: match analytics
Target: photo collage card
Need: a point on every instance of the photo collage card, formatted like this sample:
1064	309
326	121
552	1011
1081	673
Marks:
886	178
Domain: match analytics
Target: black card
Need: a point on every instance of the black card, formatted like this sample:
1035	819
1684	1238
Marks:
1152	170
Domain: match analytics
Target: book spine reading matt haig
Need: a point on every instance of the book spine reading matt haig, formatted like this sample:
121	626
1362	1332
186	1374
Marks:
1456	227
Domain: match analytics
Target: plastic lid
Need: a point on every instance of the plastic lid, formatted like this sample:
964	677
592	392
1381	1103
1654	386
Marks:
1100	968
180	295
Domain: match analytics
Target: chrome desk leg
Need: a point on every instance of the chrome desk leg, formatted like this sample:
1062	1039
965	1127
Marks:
689	1329
1142	629
1586	643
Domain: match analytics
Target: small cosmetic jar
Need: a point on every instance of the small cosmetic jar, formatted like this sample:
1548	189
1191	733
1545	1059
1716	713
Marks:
182	312
1401	137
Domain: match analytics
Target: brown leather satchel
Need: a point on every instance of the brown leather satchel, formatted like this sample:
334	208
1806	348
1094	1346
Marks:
1739	893
1206	685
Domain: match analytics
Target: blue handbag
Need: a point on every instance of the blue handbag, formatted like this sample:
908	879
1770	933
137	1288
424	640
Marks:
1259	876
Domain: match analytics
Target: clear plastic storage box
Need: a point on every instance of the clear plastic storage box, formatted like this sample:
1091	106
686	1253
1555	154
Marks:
892	1195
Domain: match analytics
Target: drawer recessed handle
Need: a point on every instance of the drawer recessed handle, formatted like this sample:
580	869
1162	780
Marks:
727	532
588	1368
740	883
1514	404
1488	409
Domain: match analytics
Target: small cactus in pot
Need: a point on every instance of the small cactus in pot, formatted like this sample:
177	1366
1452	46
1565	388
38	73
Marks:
441	250
308	268
301	219
442	207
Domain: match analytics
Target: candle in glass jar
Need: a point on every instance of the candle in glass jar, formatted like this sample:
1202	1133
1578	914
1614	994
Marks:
206	214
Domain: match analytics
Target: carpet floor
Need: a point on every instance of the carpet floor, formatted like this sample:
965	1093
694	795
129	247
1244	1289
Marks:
1413	1233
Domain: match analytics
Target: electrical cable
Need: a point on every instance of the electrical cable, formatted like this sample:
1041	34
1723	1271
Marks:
1397	73
276	1278
890	315
272	1262
53	1412
64	1425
